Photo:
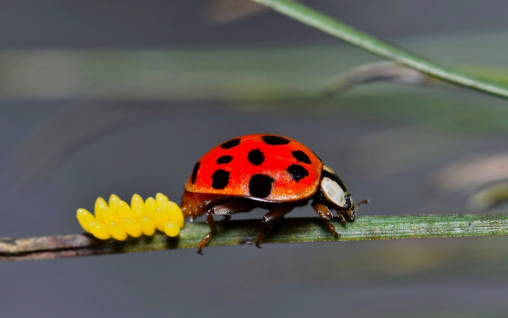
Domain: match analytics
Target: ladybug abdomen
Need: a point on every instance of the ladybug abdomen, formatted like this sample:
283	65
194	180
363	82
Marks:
261	167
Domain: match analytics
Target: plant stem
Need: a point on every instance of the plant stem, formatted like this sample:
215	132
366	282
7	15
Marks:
369	43
240	232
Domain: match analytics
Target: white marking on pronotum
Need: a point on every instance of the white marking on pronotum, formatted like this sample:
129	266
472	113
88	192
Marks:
326	168
333	191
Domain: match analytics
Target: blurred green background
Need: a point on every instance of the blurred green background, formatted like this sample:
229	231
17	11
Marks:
123	97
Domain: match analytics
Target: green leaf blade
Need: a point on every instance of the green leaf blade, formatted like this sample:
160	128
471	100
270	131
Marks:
242	232
369	43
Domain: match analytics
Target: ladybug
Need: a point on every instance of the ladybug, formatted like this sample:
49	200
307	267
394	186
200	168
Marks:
267	171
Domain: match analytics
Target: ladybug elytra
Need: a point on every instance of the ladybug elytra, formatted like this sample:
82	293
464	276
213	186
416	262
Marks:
268	171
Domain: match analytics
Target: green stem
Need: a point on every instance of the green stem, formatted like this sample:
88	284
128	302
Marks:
369	43
290	230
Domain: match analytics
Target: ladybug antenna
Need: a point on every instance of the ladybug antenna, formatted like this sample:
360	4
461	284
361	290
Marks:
367	201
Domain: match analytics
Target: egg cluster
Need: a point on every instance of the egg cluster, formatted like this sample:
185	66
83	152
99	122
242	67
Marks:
116	219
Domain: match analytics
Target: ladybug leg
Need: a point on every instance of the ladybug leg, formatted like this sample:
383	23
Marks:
224	209
342	219
213	229
268	220
326	215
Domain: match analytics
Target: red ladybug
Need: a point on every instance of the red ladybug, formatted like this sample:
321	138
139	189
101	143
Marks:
268	171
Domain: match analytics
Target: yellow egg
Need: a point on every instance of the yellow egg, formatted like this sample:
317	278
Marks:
147	226
117	231
161	199
171	229
150	208
175	214
162	203
100	206
85	218
114	200
132	227
99	230
137	205
124	210
161	218
109	215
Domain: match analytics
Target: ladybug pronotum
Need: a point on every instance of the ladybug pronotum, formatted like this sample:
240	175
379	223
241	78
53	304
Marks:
267	171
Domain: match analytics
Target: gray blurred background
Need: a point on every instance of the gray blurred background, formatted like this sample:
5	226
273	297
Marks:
124	96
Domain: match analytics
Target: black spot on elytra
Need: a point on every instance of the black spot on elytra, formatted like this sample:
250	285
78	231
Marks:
275	140
224	159
195	173
260	185
220	179
256	157
297	172
335	178
230	144
301	156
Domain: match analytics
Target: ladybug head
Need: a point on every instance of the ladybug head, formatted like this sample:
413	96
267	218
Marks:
336	193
